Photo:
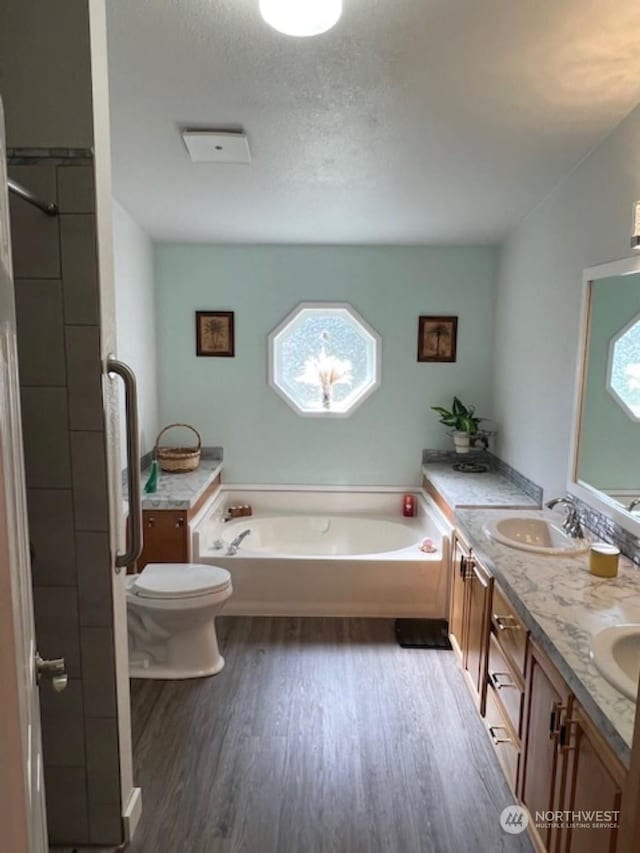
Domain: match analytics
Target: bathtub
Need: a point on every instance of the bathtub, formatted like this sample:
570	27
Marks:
326	553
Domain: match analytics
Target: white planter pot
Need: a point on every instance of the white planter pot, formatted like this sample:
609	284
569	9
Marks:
461	441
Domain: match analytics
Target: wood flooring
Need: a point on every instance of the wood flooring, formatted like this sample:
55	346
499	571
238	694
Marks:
319	736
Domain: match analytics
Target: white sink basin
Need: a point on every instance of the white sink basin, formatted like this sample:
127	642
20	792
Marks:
534	534
616	653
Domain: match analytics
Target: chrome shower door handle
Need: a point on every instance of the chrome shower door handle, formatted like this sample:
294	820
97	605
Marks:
133	461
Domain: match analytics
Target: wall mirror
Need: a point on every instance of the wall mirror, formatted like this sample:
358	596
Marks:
605	464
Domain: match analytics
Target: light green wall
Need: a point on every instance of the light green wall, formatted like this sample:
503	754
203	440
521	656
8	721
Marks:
610	441
229	400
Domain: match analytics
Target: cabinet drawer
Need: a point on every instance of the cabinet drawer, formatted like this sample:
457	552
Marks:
504	742
509	630
506	684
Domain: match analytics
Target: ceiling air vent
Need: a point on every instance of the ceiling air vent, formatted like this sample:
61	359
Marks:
216	146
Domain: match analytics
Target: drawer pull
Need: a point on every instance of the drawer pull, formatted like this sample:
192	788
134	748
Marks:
553	718
495	677
180	522
495	738
564	735
557	710
506	623
466	567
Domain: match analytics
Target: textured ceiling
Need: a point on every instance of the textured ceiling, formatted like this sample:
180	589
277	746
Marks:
413	121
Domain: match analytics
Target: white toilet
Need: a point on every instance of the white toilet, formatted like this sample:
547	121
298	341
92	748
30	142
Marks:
171	609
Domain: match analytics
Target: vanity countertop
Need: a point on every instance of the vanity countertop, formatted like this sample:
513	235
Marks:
468	491
181	491
563	606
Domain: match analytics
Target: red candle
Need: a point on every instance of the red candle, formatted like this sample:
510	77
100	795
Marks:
409	506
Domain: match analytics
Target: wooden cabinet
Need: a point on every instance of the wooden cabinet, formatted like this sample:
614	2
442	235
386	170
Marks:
470	616
509	631
506	684
477	619
165	532
165	535
552	755
593	782
461	554
504	739
568	766
546	704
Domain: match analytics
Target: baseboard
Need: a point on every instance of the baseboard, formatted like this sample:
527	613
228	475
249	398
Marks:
132	814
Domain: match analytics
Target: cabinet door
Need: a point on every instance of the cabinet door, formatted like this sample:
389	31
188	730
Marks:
593	784
546	704
165	537
477	622
456	608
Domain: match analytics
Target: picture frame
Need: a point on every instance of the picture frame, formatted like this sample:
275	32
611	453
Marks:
215	334
437	338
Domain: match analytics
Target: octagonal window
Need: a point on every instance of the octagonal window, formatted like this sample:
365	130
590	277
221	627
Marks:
623	374
324	359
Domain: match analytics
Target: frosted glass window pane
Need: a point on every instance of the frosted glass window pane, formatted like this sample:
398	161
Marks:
624	370
324	359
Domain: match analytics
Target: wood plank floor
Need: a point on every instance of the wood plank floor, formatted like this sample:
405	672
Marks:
319	736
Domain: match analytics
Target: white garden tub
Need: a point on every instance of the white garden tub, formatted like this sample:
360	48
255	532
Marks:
328	553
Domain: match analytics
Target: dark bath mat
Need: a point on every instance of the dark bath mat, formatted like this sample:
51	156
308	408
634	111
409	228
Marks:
423	633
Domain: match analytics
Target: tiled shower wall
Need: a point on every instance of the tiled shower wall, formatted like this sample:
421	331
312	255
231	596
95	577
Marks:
57	303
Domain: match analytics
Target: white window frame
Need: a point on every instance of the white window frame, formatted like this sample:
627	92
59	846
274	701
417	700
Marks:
366	392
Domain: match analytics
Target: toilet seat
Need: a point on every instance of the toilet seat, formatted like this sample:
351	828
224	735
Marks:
180	580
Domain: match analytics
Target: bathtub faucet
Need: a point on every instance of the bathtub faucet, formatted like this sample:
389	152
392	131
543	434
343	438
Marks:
232	550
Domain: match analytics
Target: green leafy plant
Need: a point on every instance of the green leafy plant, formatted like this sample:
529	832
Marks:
462	418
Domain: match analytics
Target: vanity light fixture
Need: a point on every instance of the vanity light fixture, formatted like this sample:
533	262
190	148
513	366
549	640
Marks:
635	235
301	17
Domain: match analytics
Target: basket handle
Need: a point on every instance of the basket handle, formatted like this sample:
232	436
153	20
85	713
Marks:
171	426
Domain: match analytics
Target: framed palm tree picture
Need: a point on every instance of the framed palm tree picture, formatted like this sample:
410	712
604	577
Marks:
437	338
215	334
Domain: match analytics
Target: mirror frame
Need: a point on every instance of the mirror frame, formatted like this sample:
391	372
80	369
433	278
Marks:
588	494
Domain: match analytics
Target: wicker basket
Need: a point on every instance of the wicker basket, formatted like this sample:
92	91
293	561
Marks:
178	460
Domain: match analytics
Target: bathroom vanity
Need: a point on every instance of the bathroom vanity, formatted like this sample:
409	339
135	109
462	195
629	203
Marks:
521	625
166	514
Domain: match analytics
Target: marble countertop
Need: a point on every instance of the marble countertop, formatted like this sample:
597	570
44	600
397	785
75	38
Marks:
469	491
563	606
181	491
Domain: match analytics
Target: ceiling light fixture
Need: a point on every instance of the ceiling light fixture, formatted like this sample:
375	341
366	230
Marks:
301	17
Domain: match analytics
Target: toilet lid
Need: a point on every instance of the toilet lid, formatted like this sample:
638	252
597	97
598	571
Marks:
180	580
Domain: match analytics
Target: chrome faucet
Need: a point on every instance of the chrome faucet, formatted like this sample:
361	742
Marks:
634	503
572	526
232	550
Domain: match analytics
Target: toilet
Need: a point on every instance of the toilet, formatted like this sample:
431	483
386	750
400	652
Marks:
171	608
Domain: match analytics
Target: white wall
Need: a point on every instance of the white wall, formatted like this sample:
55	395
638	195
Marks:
585	221
135	319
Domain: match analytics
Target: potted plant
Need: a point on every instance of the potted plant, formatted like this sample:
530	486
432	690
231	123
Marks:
463	421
